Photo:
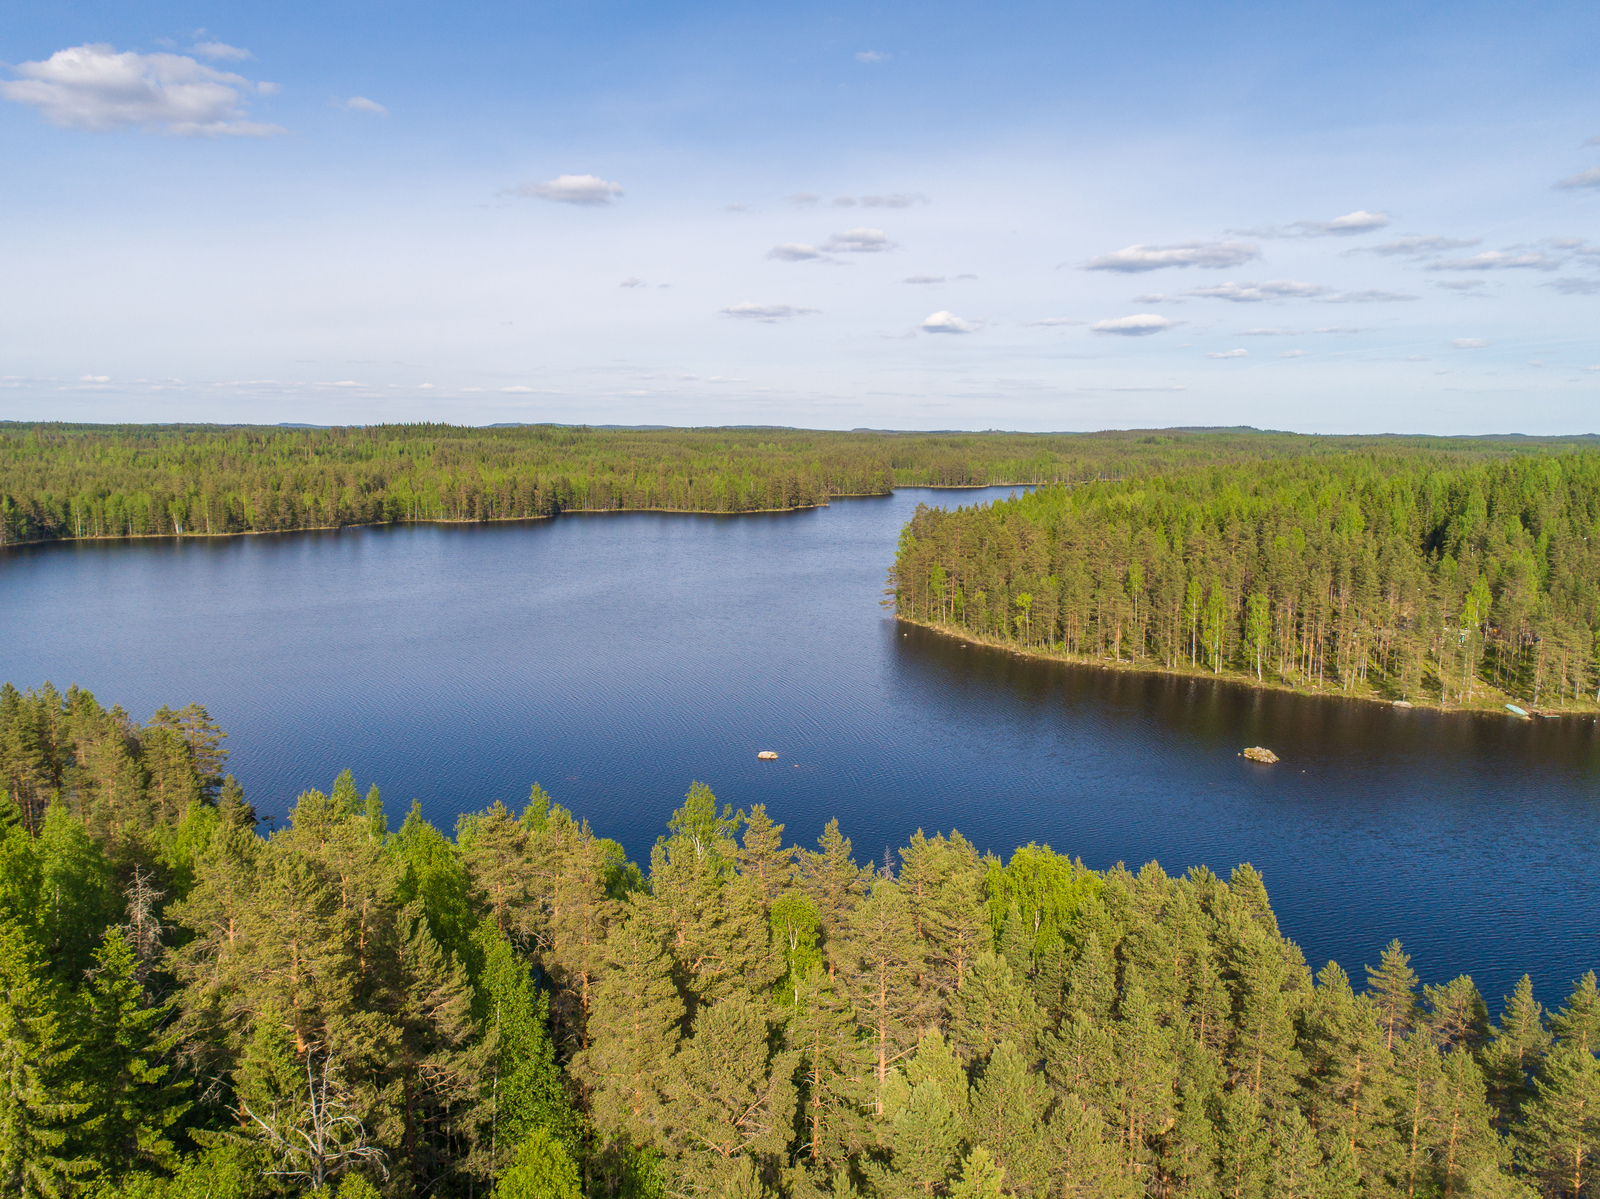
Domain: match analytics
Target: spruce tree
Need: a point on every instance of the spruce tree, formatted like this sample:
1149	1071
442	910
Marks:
989	1007
40	1100
128	1069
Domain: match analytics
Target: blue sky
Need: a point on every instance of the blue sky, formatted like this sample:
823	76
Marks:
1329	218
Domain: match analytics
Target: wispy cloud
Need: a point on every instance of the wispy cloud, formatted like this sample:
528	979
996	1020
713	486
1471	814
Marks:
1589	178
858	241
220	52
1229	354
362	104
1370	296
793	251
1051	322
1134	259
804	198
1469	343
897	200
923	279
1458	284
1272	289
871	56
947	322
1294	354
1348	225
1418	246
1498	260
94	87
1576	287
630	281
1139	325
588	191
766	313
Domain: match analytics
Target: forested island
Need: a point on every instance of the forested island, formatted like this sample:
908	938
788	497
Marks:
75	482
190	1009
1414	577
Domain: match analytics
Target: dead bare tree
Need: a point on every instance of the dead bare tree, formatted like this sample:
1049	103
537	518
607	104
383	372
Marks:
321	1140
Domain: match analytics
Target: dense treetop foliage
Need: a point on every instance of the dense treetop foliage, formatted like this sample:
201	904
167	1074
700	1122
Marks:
1418	576
192	1010
61	481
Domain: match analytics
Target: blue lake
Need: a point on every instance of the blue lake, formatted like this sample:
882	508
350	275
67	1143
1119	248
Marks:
617	658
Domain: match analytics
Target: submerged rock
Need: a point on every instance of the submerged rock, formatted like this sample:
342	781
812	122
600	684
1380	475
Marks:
1257	754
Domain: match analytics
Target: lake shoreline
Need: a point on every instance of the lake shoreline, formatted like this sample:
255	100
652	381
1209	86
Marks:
506	520
1488	707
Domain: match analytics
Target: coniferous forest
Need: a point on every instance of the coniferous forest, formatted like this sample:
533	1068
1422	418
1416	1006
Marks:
1404	577
67	482
193	1005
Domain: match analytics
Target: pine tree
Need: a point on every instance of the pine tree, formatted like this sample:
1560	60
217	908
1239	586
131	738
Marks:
876	958
635	1027
762	857
831	877
1267	979
1008	1105
1457	1014
1084	1163
982	1178
834	1069
1561	1123
1416	1108
1517	1047
1244	1158
1146	1076
134	1098
1348	1076
1393	988
731	1096
1578	1023
989	1007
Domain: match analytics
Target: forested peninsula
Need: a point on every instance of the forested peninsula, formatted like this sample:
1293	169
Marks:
73	482
1413	577
190	1009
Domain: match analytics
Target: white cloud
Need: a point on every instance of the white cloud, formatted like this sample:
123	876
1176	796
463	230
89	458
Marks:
1589	178
1156	297
1153	258
1229	354
1458	284
94	87
947	322
1269	333
1469	343
871	56
220	52
1250	293
767	313
1052	322
793	251
95	379
1576	287
590	191
859	241
923	279
1294	354
1350	223
362	104
1138	325
631	281
1498	260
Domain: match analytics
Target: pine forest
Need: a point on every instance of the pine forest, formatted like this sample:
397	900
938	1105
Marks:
1407	577
192	1005
71	482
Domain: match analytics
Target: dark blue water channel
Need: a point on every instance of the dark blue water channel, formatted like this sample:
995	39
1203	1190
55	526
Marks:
616	658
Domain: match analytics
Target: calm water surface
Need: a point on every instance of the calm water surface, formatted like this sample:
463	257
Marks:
616	658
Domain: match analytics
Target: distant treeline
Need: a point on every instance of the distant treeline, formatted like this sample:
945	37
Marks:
190	1010
1419	576
61	481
